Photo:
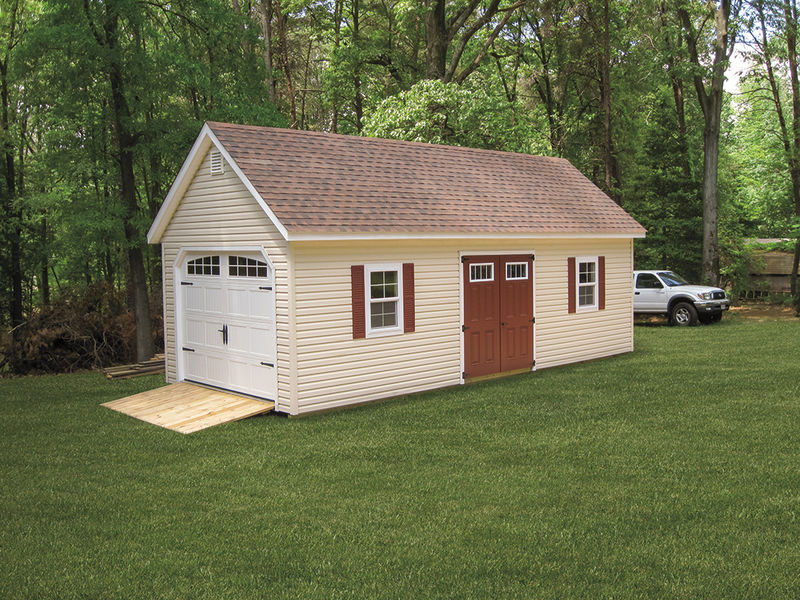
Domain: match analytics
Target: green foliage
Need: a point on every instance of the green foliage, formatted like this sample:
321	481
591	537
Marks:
446	113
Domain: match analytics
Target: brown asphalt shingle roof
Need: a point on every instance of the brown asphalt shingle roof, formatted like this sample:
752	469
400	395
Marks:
322	182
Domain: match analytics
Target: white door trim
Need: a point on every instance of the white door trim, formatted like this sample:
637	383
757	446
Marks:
177	273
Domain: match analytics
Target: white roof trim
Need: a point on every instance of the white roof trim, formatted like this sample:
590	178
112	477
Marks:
204	141
323	237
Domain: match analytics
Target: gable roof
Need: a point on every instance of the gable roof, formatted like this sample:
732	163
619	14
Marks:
324	186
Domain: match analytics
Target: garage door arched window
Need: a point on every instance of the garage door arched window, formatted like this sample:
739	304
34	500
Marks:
205	265
241	266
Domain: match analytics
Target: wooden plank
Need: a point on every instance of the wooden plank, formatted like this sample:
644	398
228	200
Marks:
186	408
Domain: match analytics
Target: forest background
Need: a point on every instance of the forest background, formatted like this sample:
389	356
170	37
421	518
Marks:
102	99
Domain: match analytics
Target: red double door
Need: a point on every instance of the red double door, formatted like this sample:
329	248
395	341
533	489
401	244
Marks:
498	314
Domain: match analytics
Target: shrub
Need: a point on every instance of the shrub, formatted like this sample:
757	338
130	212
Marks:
90	328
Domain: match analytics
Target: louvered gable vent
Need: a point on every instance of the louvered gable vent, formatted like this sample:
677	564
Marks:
217	164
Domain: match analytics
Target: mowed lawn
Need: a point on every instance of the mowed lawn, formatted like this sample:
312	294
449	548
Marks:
670	472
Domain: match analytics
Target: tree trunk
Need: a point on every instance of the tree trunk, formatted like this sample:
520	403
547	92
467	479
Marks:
711	104
44	277
12	212
710	272
337	33
265	10
790	14
285	64
358	101
125	142
436	41
611	175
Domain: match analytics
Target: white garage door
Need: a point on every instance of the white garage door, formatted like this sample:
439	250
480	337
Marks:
228	323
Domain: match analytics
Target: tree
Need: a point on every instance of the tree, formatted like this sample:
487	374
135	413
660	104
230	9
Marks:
780	17
708	84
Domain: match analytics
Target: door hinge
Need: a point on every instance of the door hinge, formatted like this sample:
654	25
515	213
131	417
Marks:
533	364
266	364
464	328
463	374
265	287
463	259
533	257
185	349
186	283
533	320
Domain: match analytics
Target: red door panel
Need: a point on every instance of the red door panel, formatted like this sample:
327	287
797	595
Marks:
516	312
481	316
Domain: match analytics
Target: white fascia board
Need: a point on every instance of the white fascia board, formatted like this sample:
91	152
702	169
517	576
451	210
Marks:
250	188
182	181
204	141
355	236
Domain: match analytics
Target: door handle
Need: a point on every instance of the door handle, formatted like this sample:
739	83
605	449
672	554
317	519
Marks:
224	332
636	293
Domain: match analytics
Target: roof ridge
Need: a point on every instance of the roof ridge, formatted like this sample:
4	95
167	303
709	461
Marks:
375	139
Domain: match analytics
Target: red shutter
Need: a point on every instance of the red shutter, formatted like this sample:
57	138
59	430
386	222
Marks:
601	282
571	284
357	290
408	298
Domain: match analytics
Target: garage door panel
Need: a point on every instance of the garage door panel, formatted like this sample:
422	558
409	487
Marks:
215	300
262	305
253	339
245	304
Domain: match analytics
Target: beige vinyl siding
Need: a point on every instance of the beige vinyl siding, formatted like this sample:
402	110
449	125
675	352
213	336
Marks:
563	338
217	210
335	370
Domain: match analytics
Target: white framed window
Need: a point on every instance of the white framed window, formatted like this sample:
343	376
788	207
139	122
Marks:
383	286
586	281
205	265
516	270
481	272
241	266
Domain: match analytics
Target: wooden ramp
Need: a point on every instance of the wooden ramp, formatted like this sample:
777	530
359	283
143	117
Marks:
187	408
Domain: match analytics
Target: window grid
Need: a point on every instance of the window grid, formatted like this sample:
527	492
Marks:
205	265
516	271
241	266
587	283
481	272
383	299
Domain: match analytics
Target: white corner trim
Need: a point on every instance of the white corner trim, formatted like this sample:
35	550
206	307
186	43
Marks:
201	145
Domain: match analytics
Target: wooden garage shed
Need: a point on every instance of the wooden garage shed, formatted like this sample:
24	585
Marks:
321	270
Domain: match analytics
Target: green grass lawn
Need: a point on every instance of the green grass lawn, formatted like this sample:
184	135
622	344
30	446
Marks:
670	472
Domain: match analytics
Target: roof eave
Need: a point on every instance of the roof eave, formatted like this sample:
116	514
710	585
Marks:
323	236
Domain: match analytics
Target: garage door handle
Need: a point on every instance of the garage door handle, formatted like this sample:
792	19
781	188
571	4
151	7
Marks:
224	332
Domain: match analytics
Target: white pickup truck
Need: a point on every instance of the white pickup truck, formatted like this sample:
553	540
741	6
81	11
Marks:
667	293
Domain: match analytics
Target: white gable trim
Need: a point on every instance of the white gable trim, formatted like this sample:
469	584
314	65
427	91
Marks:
204	141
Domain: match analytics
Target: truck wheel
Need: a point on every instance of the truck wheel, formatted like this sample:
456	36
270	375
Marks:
683	314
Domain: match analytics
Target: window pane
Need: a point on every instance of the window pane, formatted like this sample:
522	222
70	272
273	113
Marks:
586	272
586	295
516	271
383	284
384	314
481	272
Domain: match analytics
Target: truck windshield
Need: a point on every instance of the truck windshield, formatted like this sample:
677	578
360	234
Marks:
672	279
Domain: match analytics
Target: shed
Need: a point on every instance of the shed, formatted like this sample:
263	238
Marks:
321	270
